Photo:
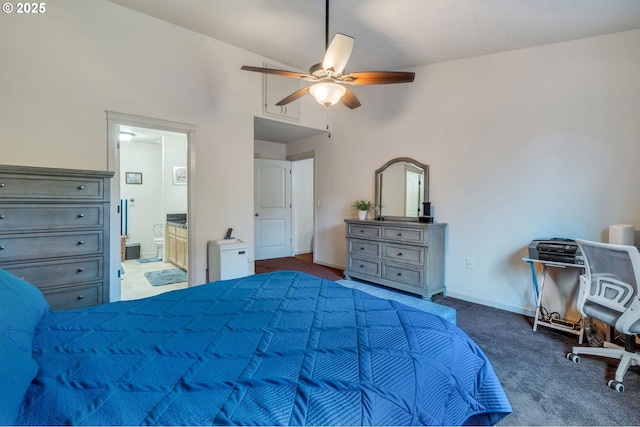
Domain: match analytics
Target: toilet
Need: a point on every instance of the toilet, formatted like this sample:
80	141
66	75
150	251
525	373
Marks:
159	239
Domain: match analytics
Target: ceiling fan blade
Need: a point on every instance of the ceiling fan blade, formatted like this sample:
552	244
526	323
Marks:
275	71
350	100
377	77
338	53
295	95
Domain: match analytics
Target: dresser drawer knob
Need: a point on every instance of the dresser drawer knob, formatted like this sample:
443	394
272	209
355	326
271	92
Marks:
80	297
361	266
80	215
80	242
399	253
1	185
80	187
1	247
2	216
362	248
399	274
399	234
80	270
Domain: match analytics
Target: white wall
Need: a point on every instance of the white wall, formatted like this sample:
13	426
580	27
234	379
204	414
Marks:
145	200
174	155
523	144
157	195
62	70
270	150
539	142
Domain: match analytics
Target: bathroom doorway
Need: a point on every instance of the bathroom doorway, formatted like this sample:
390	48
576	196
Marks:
153	190
153	163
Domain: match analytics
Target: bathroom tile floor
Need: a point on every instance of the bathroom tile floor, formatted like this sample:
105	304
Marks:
136	286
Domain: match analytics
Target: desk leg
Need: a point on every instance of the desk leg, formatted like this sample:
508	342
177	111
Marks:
539	291
535	279
536	290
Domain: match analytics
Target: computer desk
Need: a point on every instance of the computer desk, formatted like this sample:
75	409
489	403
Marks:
540	289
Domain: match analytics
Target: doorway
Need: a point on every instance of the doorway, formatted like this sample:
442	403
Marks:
271	141
303	203
273	208
153	191
284	223
153	177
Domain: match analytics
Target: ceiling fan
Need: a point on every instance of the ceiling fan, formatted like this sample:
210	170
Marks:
328	77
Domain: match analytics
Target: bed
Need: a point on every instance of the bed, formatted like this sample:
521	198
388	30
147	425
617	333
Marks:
281	348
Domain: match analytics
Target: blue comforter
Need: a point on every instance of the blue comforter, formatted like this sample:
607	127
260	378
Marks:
282	348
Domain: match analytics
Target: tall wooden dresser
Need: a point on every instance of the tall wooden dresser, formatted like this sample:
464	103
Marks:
54	232
403	255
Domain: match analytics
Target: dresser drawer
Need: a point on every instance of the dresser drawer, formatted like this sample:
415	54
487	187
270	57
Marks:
50	245
402	274
45	217
359	265
404	234
404	253
74	297
360	230
363	248
43	187
55	273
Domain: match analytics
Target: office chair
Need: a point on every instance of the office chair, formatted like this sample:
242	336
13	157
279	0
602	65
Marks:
609	293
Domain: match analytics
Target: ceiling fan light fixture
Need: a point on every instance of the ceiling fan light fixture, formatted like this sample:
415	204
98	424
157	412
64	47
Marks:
327	93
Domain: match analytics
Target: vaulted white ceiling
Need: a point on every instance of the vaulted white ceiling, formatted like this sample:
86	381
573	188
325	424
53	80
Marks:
390	34
393	34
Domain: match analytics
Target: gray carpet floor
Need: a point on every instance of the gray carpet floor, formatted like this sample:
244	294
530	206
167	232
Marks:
545	388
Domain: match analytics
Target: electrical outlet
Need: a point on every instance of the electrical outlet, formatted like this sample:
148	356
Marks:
471	265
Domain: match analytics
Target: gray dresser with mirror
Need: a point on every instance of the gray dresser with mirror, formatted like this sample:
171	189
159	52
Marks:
402	247
54	232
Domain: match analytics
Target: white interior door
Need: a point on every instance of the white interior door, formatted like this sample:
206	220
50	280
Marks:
272	204
302	221
413	192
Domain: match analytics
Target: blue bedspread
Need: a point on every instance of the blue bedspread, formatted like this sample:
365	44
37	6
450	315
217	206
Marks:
282	348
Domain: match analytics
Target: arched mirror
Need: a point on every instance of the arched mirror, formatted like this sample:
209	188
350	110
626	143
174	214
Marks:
402	184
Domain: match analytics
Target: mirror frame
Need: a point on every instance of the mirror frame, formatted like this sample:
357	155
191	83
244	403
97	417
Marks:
378	179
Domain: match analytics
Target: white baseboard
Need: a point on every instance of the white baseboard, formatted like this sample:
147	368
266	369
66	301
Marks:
327	264
526	311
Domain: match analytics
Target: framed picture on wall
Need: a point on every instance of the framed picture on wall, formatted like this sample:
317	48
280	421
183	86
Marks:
134	177
179	175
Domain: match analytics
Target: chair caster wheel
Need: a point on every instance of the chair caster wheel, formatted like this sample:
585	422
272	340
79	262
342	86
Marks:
616	385
573	357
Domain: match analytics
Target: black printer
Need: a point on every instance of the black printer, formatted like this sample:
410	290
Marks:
556	249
